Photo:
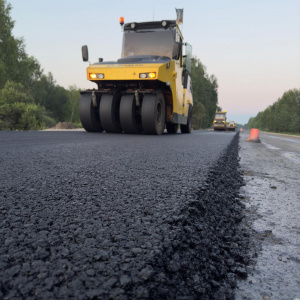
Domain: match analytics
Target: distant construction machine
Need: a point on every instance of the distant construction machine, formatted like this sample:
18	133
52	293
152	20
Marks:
220	121
231	126
148	89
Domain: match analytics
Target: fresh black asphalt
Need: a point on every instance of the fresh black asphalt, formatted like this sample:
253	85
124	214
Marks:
117	216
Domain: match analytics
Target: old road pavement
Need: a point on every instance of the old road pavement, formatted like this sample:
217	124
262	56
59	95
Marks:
115	216
272	198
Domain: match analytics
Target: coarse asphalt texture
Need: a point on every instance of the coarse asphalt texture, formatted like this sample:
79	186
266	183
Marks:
116	216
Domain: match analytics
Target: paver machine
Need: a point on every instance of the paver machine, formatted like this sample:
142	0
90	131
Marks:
148	89
220	121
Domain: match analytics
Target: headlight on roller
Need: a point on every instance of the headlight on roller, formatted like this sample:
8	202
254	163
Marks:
148	75
152	75
96	75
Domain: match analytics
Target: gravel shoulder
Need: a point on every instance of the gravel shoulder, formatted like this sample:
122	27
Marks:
271	195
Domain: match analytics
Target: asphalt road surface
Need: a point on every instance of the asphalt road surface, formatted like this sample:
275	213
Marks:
272	198
115	216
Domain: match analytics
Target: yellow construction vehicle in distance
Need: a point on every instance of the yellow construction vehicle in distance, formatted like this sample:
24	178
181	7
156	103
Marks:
148	89
220	121
231	126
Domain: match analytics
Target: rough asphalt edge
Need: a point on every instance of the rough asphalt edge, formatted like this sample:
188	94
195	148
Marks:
206	250
209	247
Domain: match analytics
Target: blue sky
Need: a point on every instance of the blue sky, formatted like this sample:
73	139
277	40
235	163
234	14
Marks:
252	47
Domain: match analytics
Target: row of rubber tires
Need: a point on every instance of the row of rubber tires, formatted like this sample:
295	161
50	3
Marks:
116	113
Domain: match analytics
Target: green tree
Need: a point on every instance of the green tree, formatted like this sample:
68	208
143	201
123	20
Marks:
74	98
18	110
205	95
15	64
8	44
198	115
53	97
282	116
51	100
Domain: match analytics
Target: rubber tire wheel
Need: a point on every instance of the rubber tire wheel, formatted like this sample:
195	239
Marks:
153	114
172	128
188	127
109	113
129	119
89	115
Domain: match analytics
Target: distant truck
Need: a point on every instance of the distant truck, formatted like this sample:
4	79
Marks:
220	121
231	126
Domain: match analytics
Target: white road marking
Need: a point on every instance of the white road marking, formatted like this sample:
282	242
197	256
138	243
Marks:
270	146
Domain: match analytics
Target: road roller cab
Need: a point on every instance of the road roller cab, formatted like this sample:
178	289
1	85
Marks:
148	89
220	121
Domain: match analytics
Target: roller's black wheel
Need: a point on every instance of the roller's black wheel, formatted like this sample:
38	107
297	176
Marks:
130	120
153	113
172	128
109	112
89	115
188	127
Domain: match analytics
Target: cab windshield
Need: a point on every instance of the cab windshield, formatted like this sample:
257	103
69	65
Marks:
159	42
220	116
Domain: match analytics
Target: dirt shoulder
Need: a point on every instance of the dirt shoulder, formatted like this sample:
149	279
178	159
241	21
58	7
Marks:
64	126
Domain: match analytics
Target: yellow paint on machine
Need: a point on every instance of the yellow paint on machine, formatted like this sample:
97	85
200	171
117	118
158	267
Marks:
166	72
122	71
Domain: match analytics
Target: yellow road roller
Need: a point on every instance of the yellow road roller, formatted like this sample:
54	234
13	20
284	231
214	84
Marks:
231	126
220	121
148	89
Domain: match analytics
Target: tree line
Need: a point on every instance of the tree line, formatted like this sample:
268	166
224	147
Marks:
282	116
31	99
205	96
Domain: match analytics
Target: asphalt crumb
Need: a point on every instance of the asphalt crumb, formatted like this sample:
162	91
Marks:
197	250
208	247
